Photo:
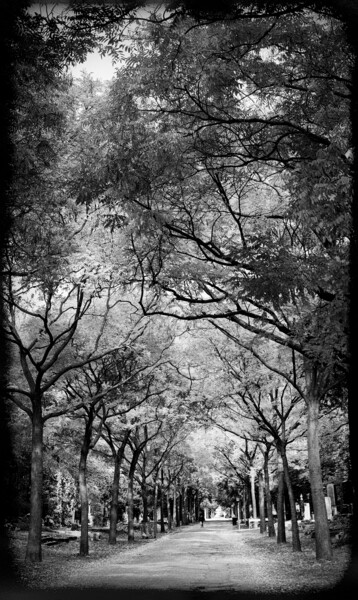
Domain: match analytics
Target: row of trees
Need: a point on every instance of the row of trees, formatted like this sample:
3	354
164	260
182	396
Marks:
237	157
210	184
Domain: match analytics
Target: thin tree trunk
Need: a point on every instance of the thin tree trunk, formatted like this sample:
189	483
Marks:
168	508
155	510
162	527
175	516
322	535
270	521
115	491
113	513
145	509
82	475
253	496
244	505
180	508
185	505
130	506
33	550
296	544
262	502
281	530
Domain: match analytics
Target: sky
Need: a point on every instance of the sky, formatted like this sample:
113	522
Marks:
100	67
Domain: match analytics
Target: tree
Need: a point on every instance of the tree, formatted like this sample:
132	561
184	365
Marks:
215	246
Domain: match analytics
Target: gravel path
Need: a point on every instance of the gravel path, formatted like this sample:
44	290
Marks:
217	557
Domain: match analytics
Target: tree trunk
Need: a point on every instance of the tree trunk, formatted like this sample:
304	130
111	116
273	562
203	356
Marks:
162	527
84	547
130	507
271	525
296	544
180	511
185	505
115	491
253	496
175	516
33	550
281	530
145	508
244	504
168	509
155	510
262	502
322	536
197	504
113	515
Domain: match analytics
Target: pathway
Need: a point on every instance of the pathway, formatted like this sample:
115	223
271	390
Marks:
196	558
215	561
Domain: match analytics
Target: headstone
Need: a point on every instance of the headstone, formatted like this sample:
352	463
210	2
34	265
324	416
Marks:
332	495
327	500
307	514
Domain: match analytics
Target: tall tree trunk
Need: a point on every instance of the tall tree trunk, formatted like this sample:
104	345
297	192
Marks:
145	508
197	504
262	502
155	509
322	535
82	476
270	521
244	504
162	527
113	513
296	544
33	550
253	495
113	518
281	530
175	516
180	511
130	506
168	509
185	505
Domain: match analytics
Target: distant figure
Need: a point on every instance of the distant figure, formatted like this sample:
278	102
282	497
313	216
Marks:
201	517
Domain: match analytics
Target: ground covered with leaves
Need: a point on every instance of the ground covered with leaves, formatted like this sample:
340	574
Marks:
289	572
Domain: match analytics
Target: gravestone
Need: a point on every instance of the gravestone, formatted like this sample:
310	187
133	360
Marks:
332	495
327	500
307	514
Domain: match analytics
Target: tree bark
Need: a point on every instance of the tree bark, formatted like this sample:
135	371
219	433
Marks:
270	521
175	516
262	502
145	508
180	511
155	510
113	514
113	518
168	509
162	527
281	530
253	495
33	550
322	536
185	505
296	544
130	506
244	505
82	476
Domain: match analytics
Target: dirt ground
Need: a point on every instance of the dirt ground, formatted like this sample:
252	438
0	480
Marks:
215	559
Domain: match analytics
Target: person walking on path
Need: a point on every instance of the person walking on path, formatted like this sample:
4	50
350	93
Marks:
201	517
